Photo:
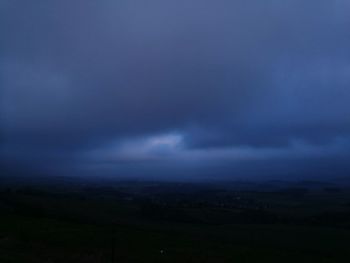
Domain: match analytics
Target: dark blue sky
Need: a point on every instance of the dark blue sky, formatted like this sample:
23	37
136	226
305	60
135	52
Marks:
177	89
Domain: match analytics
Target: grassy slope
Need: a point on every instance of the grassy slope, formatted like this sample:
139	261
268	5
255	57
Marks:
26	239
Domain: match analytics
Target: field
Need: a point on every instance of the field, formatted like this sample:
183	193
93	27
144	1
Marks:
157	223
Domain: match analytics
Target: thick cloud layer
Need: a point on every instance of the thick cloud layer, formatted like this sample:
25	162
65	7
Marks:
230	84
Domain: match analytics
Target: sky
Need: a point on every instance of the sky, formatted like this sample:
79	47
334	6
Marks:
186	89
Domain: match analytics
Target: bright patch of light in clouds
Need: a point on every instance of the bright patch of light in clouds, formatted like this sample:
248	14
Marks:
149	148
152	147
169	142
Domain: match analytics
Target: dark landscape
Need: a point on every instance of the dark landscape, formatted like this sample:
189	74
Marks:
77	220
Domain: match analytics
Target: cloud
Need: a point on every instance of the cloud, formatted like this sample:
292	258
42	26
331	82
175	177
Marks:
233	78
152	148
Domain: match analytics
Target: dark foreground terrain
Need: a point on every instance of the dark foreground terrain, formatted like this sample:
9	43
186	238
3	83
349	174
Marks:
68	220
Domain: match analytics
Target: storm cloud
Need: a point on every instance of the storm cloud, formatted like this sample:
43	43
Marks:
141	87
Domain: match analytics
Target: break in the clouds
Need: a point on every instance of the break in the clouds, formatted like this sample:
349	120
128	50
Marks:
202	88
